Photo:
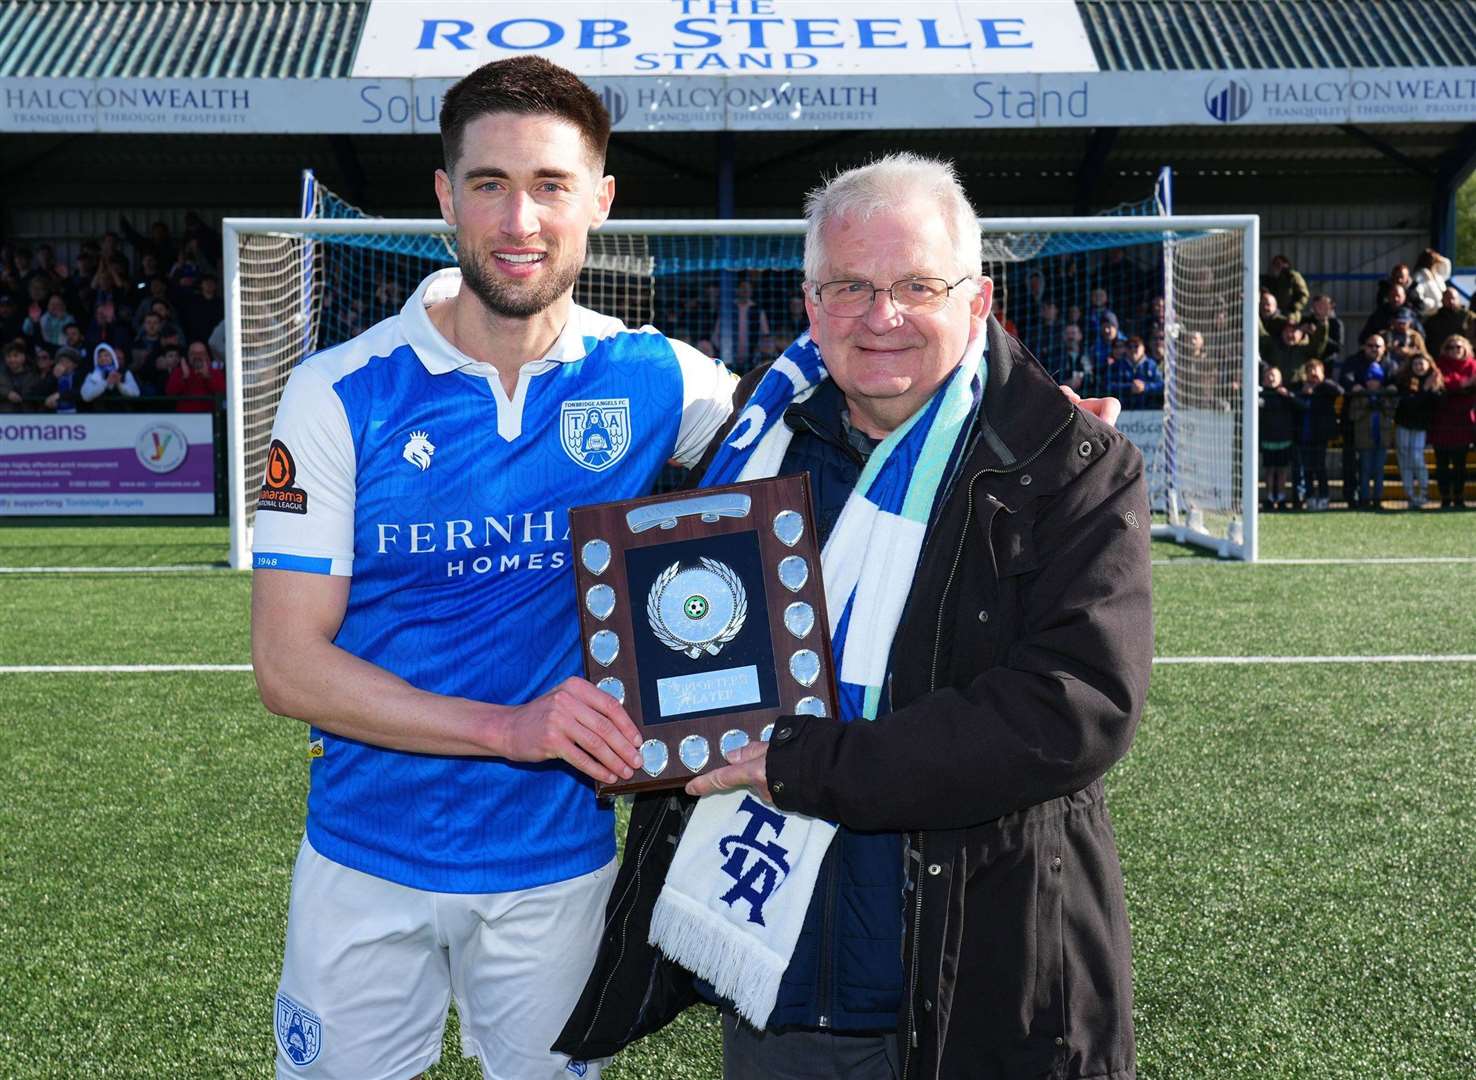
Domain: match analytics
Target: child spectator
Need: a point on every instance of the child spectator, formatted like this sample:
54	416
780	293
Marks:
73	338
107	381
1454	425
1277	428
1144	387
1317	422
61	390
1419	386
1371	411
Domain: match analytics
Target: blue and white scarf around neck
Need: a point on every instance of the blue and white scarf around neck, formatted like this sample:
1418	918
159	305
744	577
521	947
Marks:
740	882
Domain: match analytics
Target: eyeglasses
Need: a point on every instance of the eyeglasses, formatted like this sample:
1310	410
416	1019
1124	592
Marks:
852	299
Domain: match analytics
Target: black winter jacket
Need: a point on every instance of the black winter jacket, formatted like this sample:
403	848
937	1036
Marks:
1020	669
1317	422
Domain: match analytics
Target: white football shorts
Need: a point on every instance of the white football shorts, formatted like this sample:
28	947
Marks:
371	967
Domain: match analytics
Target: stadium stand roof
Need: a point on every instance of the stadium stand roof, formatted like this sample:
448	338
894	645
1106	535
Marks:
299	39
174	39
1207	35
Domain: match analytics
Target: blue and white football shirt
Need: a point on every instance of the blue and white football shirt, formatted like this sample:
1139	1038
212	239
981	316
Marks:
401	462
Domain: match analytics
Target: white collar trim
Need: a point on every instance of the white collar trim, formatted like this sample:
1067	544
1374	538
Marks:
440	357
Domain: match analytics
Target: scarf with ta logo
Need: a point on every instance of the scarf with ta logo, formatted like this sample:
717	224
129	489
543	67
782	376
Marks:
740	882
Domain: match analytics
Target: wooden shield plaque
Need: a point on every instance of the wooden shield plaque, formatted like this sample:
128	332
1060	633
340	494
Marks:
703	613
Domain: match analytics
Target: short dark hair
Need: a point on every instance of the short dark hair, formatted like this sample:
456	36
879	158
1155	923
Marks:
524	84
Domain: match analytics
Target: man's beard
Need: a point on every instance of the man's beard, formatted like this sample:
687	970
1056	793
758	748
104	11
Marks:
513	299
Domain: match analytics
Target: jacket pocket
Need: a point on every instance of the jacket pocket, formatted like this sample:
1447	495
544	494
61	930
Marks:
1096	947
1010	970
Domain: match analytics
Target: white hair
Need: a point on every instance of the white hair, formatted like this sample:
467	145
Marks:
885	184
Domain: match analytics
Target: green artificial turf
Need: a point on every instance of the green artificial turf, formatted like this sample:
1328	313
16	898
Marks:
143	541
147	618
1298	849
1297	839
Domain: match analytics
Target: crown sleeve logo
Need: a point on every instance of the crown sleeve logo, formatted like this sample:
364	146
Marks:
418	450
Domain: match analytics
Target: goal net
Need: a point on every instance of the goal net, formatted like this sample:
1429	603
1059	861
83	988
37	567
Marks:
1184	286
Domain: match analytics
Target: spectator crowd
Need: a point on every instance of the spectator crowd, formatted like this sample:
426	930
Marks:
1405	383
135	321
127	323
1408	382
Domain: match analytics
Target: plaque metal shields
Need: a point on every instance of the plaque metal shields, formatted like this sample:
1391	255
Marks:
703	613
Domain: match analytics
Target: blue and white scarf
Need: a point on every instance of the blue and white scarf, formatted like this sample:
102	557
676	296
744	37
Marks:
740	882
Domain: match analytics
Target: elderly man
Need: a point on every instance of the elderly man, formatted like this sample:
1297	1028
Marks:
987	577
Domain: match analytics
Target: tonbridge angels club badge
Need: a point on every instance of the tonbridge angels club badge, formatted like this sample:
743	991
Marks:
595	433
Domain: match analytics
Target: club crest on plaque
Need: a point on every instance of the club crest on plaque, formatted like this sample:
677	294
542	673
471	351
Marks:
595	433
697	609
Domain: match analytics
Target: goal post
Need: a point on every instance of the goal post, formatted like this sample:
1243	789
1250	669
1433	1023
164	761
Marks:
295	286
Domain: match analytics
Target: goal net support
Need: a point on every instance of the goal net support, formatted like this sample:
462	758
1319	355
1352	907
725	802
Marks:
1186	285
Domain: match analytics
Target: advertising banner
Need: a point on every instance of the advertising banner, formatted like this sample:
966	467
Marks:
728	37
1205	467
1144	429
95	463
768	101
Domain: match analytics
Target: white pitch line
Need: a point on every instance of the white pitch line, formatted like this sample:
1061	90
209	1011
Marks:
1414	658
182	568
110	669
1411	560
149	669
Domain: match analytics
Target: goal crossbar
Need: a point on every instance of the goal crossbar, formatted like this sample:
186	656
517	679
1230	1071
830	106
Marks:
1241	542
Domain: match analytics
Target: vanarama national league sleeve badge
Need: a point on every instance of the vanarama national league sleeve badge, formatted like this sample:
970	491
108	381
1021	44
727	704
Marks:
277	490
595	433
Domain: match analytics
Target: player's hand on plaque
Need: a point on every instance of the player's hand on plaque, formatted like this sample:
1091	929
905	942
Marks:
577	723
749	769
1105	409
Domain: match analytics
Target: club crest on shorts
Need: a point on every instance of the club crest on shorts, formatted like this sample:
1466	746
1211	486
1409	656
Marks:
595	433
299	1032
